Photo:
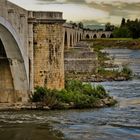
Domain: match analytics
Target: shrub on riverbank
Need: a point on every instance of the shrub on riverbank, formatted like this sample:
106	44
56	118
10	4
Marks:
121	43
124	74
127	72
75	95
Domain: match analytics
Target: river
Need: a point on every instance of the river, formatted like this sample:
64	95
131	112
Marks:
121	122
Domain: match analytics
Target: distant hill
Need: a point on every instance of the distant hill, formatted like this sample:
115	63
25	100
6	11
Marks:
95	27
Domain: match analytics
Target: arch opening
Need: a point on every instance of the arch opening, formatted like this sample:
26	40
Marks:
87	36
70	40
95	36
6	83
111	36
77	37
80	37
66	39
14	86
103	36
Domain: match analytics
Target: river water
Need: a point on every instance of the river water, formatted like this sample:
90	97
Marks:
121	122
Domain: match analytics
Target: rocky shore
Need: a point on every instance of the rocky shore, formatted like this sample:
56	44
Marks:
106	102
96	67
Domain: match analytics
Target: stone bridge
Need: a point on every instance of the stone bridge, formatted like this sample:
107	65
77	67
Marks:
32	50
73	35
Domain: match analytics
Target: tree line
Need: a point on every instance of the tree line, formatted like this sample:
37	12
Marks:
127	29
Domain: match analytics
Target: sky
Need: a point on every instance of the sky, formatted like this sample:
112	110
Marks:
87	11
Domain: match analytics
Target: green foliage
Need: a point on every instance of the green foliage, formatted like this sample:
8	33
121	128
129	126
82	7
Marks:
81	25
101	91
39	94
128	29
73	85
81	95
114	74
127	72
122	32
109	27
123	22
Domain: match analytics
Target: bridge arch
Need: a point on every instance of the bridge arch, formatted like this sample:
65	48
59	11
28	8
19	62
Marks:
70	40
95	36
17	59
103	36
87	36
77	37
80	36
66	39
111	35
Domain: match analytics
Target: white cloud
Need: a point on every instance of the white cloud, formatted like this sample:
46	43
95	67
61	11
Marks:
90	10
112	1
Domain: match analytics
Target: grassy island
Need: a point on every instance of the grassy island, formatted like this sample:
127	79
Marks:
76	95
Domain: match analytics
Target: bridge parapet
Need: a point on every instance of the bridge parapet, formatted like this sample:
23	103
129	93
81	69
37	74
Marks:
45	17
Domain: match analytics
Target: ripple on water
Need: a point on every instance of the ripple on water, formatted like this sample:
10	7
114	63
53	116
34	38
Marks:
121	122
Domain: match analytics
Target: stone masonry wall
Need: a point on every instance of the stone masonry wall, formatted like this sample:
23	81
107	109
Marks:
80	60
48	56
6	84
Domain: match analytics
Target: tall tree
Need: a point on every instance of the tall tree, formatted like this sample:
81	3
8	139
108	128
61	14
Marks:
81	25
123	22
109	27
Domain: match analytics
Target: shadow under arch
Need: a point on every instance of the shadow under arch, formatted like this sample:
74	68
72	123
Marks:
70	40
80	36
87	36
66	39
17	59
111	36
103	36
95	36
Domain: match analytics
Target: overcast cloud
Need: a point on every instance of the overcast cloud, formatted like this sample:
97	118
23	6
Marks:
89	11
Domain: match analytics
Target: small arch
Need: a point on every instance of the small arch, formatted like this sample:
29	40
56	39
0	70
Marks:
66	39
73	39
87	36
70	40
103	36
111	36
77	37
95	36
80	37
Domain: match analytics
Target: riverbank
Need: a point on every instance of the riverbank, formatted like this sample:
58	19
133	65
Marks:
121	43
118	122
101	68
76	95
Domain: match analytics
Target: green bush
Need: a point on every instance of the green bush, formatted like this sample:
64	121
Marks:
81	95
101	92
127	72
39	94
73	85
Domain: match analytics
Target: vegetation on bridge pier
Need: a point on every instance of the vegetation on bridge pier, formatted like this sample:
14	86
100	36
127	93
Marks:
75	95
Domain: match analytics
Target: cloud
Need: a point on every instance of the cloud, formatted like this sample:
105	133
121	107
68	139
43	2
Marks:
90	10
